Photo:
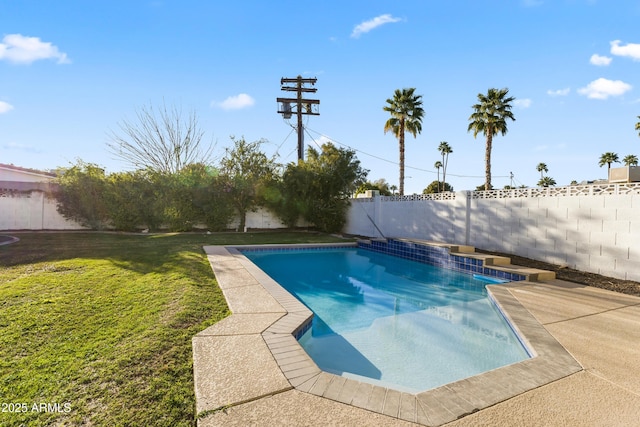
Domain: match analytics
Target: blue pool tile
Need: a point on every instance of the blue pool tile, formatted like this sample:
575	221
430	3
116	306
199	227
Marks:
437	256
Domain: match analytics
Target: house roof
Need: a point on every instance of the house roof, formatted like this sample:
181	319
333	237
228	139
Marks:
27	170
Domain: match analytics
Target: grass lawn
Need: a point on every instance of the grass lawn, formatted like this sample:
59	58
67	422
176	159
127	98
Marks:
95	329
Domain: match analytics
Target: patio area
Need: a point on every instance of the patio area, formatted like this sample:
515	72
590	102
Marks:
591	378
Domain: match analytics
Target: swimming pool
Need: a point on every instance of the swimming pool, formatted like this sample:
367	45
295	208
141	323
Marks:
393	321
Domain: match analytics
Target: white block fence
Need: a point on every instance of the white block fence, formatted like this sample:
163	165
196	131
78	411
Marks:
591	228
31	211
594	228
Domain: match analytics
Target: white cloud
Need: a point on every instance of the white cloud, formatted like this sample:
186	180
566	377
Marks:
21	147
632	50
604	88
5	107
20	49
559	92
522	103
236	102
371	24
600	60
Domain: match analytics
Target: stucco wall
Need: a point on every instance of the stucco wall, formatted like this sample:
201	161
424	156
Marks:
34	211
592	229
264	219
31	211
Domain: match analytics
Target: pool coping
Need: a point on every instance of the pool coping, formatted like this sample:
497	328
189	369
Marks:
252	294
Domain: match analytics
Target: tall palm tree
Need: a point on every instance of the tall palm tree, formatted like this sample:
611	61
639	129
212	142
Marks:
438	165
445	150
406	116
630	160
490	117
608	158
638	126
542	168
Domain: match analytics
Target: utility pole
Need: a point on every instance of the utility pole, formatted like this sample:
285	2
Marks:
302	106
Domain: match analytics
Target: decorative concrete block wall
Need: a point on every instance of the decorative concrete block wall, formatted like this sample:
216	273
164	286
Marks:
594	228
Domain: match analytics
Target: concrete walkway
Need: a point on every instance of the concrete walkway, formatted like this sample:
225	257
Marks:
246	377
601	329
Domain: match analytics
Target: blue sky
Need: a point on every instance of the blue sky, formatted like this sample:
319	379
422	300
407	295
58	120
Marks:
70	71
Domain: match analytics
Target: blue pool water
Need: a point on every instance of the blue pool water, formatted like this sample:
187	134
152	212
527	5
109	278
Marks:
392	321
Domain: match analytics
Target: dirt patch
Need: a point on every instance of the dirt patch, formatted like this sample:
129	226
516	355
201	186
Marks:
628	287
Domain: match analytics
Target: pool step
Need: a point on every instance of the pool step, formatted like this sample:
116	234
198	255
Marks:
486	259
459	249
501	263
493	262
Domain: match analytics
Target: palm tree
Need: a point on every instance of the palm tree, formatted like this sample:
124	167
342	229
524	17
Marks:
406	116
542	168
608	158
490	117
630	160
393	189
445	150
546	181
638	126
438	165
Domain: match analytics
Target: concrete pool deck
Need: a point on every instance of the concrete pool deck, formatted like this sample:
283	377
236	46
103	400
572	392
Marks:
249	369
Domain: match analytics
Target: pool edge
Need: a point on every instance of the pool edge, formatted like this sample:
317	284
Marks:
431	407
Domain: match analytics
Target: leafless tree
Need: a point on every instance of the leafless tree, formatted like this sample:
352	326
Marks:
164	141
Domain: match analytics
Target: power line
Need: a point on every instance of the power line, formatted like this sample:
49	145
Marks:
397	164
284	140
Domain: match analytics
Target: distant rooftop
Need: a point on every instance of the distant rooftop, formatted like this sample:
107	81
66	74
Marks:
28	170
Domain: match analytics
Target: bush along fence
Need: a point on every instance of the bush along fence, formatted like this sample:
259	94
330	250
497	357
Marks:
36	211
311	192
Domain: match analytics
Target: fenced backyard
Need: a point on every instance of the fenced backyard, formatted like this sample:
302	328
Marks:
594	228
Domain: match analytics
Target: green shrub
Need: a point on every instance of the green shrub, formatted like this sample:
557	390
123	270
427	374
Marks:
133	201
80	195
318	189
436	187
144	199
